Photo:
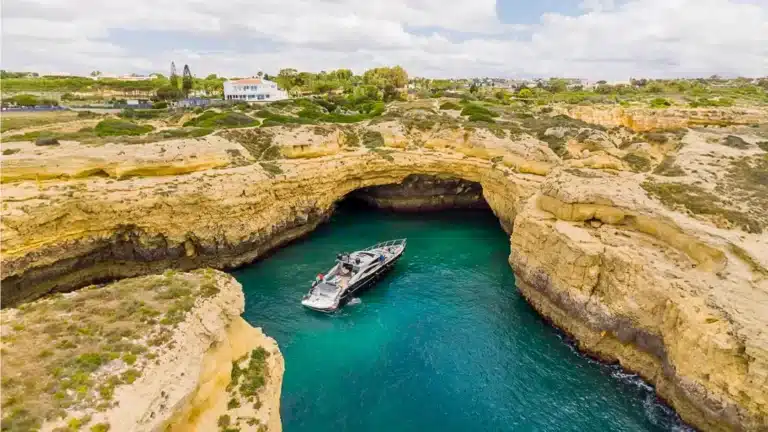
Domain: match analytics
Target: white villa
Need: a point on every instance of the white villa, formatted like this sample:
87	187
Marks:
253	90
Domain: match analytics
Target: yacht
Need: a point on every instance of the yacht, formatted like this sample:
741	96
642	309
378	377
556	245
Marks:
351	274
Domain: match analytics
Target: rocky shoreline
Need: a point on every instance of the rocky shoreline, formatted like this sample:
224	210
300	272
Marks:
676	296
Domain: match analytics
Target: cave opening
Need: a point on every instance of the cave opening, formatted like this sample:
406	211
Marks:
420	193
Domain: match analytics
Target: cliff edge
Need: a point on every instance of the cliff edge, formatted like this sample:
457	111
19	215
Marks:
161	352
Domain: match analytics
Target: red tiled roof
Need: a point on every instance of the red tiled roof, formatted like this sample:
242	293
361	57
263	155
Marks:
248	81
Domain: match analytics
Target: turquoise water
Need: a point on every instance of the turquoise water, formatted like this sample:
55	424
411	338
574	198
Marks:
443	343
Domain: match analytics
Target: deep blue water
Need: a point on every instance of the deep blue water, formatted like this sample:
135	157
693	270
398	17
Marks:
443	343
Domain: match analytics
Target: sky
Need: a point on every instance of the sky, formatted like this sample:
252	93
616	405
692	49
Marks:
592	39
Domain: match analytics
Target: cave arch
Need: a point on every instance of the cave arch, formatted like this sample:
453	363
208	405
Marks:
231	230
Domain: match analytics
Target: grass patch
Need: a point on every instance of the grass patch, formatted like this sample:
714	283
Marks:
351	138
56	350
700	202
372	139
115	127
225	119
659	103
735	142
450	106
637	162
143	114
478	111
248	378
743	255
259	142
10	151
478	117
668	168
23	120
271	168
384	154
187	132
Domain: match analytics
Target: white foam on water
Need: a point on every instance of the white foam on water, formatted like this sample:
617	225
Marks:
354	301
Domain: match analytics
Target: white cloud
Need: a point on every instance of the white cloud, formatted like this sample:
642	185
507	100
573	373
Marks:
611	39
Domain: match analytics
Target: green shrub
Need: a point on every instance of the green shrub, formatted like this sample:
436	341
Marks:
474	109
10	151
638	163
668	168
273	119
226	119
130	113
660	103
87	114
704	102
46	141
477	117
735	142
115	127
656	137
271	168
450	106
763	145
184	132
160	105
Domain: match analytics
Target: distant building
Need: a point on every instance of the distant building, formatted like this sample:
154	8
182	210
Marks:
253	90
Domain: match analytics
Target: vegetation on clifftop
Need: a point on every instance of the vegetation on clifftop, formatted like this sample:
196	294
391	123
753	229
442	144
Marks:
68	352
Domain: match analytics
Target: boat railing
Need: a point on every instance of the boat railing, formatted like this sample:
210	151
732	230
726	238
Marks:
397	242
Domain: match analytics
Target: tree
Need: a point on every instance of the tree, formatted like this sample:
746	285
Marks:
186	81
260	74
525	93
286	79
557	85
96	73
168	92
174	78
25	100
343	74
473	88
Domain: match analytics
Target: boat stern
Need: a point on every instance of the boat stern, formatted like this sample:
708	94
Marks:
319	303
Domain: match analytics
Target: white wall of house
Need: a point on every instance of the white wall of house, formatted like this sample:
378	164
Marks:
253	90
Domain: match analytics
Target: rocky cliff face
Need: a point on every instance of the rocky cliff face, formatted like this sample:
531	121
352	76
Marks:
664	296
648	119
650	249
148	353
57	236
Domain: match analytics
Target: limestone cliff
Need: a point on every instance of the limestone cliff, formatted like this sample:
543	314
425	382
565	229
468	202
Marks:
150	353
648	119
650	249
663	295
60	235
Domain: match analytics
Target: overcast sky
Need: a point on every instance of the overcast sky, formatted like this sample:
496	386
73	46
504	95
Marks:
596	39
